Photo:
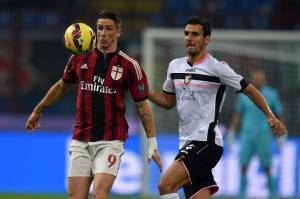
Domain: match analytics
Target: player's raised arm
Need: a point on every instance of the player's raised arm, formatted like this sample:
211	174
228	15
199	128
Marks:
146	116
57	91
277	126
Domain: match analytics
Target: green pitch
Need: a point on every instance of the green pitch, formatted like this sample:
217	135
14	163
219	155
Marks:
21	196
10	196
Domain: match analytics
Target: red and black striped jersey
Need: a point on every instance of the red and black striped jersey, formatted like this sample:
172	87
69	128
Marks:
102	83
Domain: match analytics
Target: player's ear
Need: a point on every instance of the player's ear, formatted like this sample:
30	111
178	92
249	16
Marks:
206	39
119	29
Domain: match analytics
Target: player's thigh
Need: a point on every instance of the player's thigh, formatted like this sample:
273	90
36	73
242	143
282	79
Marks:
204	194
80	161
78	187
175	176
103	183
108	158
199	159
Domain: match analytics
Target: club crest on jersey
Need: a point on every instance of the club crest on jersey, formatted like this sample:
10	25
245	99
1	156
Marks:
116	72
187	79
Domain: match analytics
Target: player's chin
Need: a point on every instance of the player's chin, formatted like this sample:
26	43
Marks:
191	52
104	45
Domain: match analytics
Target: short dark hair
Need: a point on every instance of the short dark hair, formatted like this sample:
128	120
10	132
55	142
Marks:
198	20
105	14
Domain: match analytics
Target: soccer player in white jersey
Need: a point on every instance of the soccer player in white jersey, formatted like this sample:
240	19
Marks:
196	84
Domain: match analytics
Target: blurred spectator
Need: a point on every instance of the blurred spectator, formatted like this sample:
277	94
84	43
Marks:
286	15
50	17
174	14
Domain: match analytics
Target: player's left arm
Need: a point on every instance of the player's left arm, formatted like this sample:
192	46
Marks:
139	89
147	120
277	126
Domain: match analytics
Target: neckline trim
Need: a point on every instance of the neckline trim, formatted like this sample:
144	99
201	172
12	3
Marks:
200	61
108	54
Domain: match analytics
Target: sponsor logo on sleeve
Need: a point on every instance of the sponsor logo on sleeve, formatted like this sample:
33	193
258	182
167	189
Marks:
141	88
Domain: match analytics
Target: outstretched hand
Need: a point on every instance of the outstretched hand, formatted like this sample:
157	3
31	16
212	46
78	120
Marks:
278	128
33	121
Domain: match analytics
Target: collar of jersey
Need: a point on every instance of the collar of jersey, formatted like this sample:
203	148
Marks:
199	62
101	55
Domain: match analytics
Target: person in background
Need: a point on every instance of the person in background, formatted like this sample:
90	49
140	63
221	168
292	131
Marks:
255	134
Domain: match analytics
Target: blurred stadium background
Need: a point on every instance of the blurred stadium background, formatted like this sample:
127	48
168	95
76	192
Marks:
257	33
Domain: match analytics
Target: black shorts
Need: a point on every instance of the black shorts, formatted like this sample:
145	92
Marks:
199	158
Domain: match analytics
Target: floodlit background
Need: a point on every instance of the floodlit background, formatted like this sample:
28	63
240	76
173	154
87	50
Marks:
246	33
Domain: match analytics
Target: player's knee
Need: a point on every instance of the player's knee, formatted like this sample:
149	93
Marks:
100	194
76	195
165	186
101	191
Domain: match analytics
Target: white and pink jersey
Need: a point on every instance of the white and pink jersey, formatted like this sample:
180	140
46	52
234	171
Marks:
200	91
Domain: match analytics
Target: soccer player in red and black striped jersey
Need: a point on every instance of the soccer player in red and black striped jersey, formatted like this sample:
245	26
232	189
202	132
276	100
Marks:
103	76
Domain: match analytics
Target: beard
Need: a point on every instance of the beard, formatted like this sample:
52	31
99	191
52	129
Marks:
192	52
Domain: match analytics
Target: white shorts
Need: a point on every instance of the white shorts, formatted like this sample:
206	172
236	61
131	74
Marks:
88	159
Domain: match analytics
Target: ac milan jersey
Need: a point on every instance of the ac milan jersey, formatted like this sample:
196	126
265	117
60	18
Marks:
102	83
200	92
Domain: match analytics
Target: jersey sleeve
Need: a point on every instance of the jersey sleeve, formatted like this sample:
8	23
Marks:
69	74
230	78
168	85
137	82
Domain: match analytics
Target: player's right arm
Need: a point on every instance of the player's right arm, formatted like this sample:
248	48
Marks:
56	92
162	99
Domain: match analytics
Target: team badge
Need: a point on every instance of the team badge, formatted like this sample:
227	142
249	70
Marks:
116	72
187	79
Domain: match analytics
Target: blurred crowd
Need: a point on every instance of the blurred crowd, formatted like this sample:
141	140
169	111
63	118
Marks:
28	66
233	14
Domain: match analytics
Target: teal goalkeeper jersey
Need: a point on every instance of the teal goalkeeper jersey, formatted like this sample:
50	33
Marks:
253	120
